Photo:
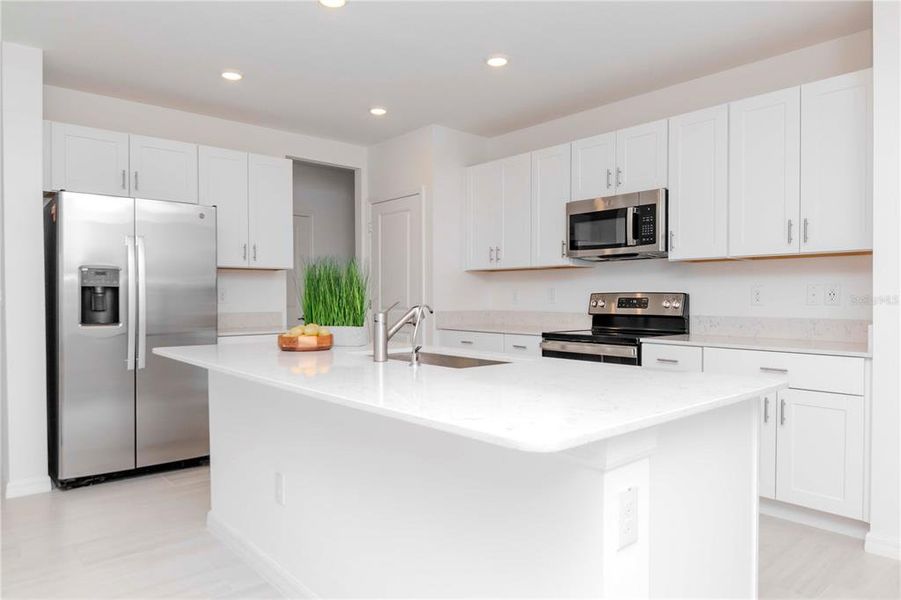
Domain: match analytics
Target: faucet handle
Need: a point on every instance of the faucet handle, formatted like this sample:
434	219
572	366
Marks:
387	310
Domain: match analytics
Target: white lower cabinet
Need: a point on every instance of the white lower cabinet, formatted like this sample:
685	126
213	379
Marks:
471	340
812	435
672	358
525	345
819	451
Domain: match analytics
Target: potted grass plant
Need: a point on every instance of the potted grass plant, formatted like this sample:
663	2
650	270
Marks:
335	295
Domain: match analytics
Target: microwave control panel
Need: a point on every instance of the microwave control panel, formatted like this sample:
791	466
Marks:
646	217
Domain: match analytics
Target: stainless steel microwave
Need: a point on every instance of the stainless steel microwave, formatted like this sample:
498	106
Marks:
617	227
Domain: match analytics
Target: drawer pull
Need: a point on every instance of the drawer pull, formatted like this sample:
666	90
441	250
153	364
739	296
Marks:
519	347
668	361
466	342
773	370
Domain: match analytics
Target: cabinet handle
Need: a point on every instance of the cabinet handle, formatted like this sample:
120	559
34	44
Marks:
467	342
136	180
806	224
790	225
668	361
672	240
773	370
766	409
609	174
562	248
619	176
490	254
245	252
123	179
519	346
497	253
254	253
782	412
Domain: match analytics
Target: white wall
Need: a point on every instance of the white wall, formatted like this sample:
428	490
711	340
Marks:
24	366
327	194
885	528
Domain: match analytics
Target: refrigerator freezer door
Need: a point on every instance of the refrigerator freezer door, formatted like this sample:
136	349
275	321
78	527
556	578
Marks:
95	399
177	254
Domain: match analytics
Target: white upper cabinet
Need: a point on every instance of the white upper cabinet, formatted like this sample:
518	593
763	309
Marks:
550	193
88	160
836	164
486	213
593	167
223	184
515	250
163	169
820	451
270	215
764	174
698	184
641	157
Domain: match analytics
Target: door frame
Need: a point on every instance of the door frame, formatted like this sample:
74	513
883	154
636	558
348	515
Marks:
312	253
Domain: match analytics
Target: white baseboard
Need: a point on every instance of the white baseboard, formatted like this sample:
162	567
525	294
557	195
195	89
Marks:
883	546
814	518
286	584
28	486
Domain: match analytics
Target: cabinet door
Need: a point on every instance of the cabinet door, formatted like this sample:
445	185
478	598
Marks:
486	192
550	193
698	184
764	178
163	169
271	207
593	166
515	249
93	161
820	451
641	157
767	451
223	184
836	164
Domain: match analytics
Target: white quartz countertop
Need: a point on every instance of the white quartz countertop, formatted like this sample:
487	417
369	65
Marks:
532	405
856	349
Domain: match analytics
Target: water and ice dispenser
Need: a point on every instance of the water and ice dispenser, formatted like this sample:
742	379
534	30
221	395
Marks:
99	295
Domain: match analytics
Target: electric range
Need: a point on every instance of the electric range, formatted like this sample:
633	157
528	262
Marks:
618	322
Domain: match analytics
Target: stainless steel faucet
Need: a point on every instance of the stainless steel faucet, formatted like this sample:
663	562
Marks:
382	332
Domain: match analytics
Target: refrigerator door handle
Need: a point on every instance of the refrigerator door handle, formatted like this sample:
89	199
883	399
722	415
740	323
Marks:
142	304
132	303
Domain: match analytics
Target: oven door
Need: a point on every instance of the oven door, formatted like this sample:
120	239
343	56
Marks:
623	354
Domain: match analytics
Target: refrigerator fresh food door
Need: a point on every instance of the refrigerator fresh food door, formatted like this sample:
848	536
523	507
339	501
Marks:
95	386
176	249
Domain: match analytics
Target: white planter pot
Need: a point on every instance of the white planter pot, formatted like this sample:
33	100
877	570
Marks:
349	336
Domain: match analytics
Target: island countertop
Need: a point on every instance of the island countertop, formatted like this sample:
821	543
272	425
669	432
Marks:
531	405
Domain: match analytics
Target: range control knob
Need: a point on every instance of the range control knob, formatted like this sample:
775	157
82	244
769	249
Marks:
602	303
594	303
676	304
666	303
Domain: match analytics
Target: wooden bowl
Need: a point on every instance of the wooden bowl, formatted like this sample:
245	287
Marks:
304	343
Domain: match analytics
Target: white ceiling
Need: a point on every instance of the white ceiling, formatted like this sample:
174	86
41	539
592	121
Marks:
318	71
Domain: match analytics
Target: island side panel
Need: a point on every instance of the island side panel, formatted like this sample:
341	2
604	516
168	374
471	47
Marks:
381	508
704	504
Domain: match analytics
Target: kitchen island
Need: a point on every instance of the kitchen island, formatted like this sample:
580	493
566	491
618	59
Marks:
339	477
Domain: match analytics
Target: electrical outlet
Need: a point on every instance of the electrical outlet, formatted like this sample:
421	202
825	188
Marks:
281	492
551	295
756	295
515	297
832	295
221	296
628	517
814	294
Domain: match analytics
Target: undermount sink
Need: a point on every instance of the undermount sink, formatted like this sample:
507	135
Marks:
446	360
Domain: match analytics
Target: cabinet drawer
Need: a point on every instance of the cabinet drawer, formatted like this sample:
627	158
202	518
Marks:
527	345
473	340
672	358
838	374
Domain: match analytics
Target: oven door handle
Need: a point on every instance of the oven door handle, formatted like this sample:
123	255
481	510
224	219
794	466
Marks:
592	349
630	226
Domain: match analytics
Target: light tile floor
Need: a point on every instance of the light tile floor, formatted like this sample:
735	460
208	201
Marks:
146	538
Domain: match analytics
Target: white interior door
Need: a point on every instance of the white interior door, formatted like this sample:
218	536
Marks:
397	251
303	252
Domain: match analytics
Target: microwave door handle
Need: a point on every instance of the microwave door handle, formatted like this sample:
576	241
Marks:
630	226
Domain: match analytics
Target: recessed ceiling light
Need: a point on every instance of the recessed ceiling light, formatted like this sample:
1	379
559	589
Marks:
333	3
496	61
232	75
378	111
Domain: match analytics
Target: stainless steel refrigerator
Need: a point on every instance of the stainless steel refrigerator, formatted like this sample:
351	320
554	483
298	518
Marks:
124	276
